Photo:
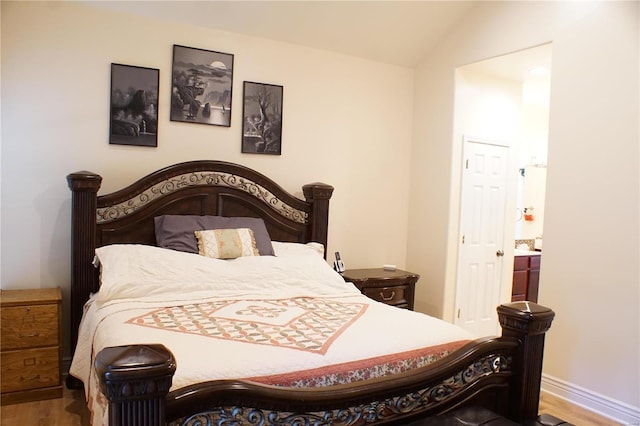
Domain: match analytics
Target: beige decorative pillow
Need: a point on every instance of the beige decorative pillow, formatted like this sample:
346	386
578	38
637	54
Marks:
226	243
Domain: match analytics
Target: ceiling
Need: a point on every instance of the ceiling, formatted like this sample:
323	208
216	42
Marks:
391	31
533	64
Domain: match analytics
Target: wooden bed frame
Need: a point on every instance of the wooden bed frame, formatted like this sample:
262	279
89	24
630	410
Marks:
498	373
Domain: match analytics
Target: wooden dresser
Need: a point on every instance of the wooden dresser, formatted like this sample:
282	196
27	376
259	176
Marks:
395	288
30	345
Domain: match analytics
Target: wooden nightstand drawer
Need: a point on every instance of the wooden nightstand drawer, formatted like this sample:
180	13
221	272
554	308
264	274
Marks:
30	369
395	288
390	295
29	326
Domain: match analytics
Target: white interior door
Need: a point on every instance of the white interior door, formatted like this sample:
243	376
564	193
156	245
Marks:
481	239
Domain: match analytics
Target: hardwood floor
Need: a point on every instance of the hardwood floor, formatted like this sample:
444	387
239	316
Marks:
571	413
70	410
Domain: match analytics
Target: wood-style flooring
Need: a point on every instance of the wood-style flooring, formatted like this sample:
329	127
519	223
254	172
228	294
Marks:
70	410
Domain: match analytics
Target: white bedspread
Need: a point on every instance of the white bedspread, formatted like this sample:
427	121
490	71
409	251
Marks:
254	316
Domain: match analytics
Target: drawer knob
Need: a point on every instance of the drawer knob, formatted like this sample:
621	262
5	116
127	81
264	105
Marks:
34	334
393	294
28	379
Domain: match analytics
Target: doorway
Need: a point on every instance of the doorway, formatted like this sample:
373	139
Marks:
503	99
481	249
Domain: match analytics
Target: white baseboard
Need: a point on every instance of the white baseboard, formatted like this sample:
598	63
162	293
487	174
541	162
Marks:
617	411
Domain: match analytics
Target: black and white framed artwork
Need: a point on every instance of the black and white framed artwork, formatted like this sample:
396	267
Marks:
201	86
134	105
262	118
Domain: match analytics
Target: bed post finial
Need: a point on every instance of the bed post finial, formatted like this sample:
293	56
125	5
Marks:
135	379
527	322
84	187
319	195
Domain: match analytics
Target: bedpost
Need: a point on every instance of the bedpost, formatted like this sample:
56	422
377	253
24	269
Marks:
84	187
319	194
527	322
135	379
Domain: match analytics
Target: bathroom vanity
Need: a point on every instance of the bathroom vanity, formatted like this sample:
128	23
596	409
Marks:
526	275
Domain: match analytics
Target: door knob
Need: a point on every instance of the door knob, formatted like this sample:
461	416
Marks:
500	253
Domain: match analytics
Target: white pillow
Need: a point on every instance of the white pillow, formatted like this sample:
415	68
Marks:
283	249
134	271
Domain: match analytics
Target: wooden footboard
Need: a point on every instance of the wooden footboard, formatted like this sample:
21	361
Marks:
502	374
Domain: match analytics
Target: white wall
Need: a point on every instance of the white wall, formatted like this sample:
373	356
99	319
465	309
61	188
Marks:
347	122
591	236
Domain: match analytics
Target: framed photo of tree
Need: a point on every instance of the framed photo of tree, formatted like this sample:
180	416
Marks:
201	86
262	123
134	105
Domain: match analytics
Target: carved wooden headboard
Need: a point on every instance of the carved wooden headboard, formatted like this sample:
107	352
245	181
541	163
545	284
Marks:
195	188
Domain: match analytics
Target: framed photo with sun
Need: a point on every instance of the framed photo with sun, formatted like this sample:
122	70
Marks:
201	86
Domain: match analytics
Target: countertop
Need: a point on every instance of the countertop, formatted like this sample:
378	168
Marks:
521	252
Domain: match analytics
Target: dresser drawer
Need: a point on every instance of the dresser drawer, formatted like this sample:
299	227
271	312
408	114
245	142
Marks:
395	295
30	369
29	326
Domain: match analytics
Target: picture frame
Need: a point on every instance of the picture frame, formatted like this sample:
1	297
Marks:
202	82
262	118
134	105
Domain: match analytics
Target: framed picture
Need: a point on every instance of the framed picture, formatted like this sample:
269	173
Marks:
201	86
262	123
134	105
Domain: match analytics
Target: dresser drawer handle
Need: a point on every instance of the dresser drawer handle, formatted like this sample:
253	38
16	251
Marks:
386	299
28	379
29	335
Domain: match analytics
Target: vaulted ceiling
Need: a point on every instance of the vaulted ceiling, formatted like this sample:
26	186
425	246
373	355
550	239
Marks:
394	32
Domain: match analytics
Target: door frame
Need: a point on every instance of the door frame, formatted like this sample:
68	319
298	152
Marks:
509	225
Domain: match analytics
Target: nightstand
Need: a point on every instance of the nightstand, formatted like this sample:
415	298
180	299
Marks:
30	345
395	288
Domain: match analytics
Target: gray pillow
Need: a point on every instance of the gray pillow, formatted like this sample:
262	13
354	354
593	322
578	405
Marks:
176	232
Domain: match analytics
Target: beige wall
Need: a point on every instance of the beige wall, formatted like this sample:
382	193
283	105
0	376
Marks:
591	234
339	128
347	122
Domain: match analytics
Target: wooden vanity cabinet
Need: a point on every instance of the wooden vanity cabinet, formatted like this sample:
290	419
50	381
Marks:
526	277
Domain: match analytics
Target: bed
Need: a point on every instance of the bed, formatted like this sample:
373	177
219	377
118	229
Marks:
155	346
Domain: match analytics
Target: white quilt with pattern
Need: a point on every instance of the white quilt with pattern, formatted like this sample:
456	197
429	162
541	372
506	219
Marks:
286	320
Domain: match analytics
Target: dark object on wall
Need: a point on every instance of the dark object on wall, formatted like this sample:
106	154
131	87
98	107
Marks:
201	86
134	105
262	118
